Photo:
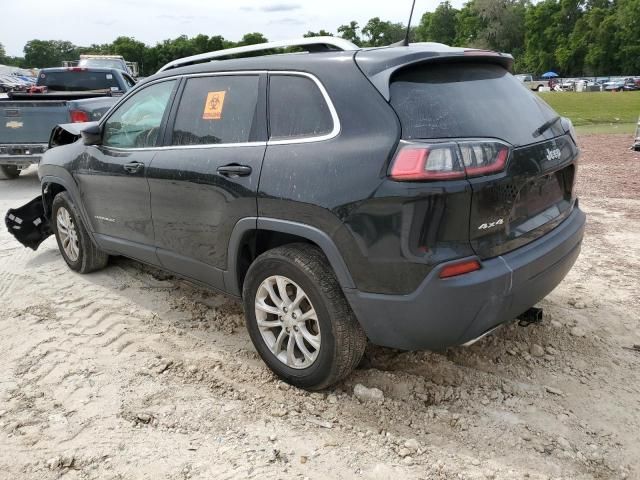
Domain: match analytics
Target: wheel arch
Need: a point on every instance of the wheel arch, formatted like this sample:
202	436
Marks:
260	234
52	185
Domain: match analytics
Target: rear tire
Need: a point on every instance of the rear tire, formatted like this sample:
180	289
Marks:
336	339
9	172
75	245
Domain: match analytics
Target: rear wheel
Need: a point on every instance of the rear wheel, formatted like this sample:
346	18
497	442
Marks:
298	318
75	245
9	172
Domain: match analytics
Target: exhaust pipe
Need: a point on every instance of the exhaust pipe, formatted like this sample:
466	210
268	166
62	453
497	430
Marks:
533	315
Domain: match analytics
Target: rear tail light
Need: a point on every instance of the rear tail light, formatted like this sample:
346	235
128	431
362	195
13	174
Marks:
446	161
460	268
78	116
76	69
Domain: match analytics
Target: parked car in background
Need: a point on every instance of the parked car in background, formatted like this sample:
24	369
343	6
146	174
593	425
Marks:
530	83
615	85
320	190
24	83
9	84
630	85
61	95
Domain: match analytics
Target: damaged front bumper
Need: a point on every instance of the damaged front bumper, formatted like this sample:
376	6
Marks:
29	223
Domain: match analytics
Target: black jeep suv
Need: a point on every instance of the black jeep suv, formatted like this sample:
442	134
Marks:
416	196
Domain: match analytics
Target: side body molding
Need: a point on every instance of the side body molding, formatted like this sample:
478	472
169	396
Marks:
312	234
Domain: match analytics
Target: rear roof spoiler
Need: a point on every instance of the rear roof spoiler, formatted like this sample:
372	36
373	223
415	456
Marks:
379	65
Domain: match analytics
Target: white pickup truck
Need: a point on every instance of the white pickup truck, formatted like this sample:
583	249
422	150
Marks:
528	80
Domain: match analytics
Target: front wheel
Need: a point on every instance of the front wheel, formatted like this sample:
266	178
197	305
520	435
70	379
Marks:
298	318
75	245
9	172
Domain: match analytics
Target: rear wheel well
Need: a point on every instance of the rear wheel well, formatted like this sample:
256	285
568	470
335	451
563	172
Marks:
256	242
49	192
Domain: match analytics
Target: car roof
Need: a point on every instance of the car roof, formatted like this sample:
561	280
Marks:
378	62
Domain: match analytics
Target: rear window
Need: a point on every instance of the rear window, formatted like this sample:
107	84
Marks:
78	81
468	100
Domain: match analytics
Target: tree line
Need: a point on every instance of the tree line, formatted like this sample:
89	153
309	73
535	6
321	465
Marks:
572	37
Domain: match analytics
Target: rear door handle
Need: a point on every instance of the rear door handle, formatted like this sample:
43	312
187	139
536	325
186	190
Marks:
134	167
235	170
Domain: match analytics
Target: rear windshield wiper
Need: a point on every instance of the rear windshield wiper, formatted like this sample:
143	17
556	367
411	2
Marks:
545	126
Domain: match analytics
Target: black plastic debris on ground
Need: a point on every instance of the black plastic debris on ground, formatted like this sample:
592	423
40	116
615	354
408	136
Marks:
28	224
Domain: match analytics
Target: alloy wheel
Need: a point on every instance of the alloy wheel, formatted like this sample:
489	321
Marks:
68	234
287	322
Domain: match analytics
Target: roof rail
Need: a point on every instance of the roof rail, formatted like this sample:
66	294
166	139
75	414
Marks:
312	44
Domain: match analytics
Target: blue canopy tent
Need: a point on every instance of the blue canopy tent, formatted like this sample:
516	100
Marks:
550	75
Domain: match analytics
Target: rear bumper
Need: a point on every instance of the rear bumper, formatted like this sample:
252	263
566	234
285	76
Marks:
447	312
22	154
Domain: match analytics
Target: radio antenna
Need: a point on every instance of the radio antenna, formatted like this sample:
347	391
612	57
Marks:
406	38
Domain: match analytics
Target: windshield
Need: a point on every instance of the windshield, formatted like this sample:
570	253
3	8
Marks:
469	100
78	81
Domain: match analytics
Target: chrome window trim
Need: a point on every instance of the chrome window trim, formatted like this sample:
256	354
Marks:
290	141
332	109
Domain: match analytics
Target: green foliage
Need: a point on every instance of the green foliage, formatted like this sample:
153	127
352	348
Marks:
350	32
378	33
572	37
48	52
439	26
321	33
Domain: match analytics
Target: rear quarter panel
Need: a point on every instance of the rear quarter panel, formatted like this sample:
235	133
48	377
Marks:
340	186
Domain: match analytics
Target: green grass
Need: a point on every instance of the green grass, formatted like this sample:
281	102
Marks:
622	128
597	112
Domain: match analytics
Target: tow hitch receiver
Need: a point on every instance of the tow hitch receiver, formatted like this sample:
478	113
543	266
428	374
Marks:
533	315
29	223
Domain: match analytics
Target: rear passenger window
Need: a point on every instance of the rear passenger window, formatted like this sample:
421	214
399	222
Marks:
219	109
297	108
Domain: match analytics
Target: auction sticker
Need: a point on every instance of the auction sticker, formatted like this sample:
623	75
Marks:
214	105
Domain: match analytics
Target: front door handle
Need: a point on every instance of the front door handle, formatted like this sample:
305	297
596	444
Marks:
134	167
235	170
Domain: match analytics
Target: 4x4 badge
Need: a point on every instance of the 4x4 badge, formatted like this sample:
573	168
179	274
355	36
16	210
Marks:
487	226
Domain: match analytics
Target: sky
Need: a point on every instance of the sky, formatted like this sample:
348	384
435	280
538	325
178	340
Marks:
84	22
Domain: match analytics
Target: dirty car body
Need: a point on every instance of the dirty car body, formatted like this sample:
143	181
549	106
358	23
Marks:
440	190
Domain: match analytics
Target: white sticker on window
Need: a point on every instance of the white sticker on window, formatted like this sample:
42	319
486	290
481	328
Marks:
109	76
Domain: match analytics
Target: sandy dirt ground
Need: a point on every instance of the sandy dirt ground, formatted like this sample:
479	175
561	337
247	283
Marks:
130	373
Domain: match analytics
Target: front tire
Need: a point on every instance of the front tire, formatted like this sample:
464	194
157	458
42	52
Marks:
9	172
75	245
298	317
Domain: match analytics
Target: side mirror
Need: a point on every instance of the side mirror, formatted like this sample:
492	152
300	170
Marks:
92	135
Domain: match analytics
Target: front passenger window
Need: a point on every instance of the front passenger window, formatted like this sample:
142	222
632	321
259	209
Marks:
136	122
